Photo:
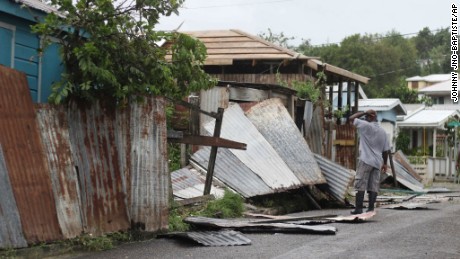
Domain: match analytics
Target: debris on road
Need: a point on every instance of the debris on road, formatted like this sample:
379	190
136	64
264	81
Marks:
246	226
212	238
359	218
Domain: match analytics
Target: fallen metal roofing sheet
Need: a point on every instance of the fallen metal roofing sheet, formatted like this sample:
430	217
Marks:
213	238
400	158
407	206
338	177
188	183
10	223
273	121
260	156
247	226
354	218
402	173
231	171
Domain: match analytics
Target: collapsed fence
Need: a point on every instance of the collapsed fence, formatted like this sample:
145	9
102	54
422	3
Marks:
79	168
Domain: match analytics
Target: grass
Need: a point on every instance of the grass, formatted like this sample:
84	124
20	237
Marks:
230	205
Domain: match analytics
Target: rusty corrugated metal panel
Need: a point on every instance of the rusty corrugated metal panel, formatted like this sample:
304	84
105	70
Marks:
338	177
24	156
188	183
272	120
149	179
54	130
260	156
232	172
315	134
95	153
11	235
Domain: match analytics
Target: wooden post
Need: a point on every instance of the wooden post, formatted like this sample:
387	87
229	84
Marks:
213	155
356	97
390	156
348	98
339	99
355	110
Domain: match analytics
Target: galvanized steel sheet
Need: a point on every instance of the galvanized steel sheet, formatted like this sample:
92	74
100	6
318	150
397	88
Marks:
210	100
188	183
273	121
231	171
253	226
10	223
25	159
54	130
260	156
338	177
214	238
148	178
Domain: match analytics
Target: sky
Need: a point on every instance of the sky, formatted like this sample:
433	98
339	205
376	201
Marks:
320	21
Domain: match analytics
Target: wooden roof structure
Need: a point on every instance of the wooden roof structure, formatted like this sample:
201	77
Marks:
226	46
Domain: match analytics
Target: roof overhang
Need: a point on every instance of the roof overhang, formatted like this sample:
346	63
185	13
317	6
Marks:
317	65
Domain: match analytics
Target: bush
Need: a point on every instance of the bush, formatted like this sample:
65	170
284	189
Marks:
229	206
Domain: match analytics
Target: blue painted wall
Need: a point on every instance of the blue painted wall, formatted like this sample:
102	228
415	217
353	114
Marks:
18	50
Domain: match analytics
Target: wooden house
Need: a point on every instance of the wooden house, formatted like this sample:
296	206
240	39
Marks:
242	61
19	46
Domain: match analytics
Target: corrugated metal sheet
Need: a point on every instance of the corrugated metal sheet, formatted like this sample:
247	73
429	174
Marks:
315	134
231	171
10	223
210	100
408	206
83	168
188	183
214	238
92	136
260	156
254	226
147	161
219	238
400	158
402	173
354	218
25	159
54	130
338	177
272	120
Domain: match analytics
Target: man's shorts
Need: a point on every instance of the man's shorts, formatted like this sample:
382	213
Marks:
367	178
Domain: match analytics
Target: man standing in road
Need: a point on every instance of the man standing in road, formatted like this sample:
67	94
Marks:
373	150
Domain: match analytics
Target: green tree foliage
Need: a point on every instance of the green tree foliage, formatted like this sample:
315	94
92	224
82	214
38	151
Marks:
387	59
110	50
434	51
402	142
277	39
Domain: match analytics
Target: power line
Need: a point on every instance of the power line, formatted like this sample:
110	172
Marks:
382	37
240	4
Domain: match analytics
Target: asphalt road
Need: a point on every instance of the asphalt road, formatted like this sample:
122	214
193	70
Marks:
431	233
